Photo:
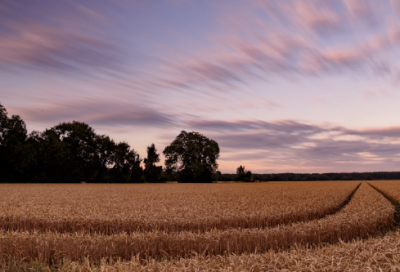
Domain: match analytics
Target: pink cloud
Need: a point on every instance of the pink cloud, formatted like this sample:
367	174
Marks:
102	112
395	5
47	47
285	45
376	133
34	37
284	144
318	18
371	94
282	45
357	8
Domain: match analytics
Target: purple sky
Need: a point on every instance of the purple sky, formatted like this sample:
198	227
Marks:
282	86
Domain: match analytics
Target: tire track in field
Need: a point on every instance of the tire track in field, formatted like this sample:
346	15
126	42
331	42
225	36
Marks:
395	203
347	201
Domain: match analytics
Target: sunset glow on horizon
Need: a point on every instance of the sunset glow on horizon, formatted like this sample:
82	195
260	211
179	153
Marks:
282	86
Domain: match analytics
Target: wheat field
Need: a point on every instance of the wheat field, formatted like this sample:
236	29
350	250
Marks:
374	254
390	188
192	227
111	209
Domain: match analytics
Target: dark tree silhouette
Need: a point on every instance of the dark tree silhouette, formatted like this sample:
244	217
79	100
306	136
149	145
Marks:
243	175
82	150
137	172
53	162
152	173
193	156
217	176
124	160
248	177
73	152
240	173
15	152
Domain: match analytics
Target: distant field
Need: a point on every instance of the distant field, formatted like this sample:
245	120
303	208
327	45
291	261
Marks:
54	223
110	209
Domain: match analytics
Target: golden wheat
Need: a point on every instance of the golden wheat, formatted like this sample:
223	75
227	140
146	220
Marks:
391	188
110	209
368	213
374	254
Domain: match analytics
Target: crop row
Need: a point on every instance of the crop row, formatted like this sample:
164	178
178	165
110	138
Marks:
390	188
375	254
111	209
368	213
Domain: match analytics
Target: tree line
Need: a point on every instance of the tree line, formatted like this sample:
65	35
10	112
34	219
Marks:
72	152
308	176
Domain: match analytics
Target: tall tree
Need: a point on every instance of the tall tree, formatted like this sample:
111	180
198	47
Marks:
95	158
15	153
136	172
52	159
3	119
72	152
217	176
240	173
243	175
106	149
66	153
248	177
193	156
124	161
152	173
82	149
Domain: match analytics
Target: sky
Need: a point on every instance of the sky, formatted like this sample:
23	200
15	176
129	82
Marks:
304	86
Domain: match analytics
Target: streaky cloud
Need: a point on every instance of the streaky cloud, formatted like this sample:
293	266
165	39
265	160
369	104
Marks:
98	112
302	146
